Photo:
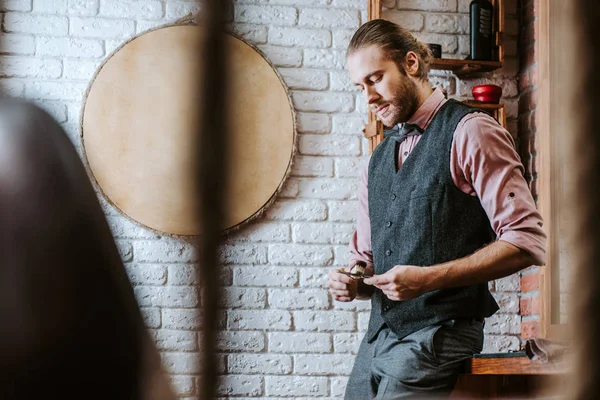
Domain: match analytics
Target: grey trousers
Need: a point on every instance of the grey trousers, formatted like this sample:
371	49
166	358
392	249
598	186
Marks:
424	364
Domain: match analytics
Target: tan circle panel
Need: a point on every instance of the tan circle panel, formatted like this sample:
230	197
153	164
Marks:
138	131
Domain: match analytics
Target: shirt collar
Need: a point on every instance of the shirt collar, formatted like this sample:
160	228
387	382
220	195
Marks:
425	113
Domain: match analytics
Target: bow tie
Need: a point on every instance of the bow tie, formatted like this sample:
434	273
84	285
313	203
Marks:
401	131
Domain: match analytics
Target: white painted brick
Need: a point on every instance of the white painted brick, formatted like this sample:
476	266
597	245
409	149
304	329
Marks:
111	45
323	101
338	386
147	9
361	104
299	299
313	123
340	81
243	254
36	23
446	83
259	319
246	298
503	324
151	316
172	340
57	110
328	18
263	232
181	319
304	3
324	321
318	364
146	274
241	341
464	45
15	5
257	34
125	250
508	302
311	79
348	3
295	386
176	296
329	145
341	38
263	364
178	9
183	385
83	7
511	283
123	228
297	210
142	26
363	321
299	37
314	277
299	342
449	42
69	47
101	27
330	233
342	255
50	6
325	58
413	21
312	166
342	211
282	56
463	6
324	188
500	343
276	15
107	208
349	167
240	385
447	23
164	250
295	254
428	5
265	276
48	90
80	69
290	189
181	363
347	342
389	4
16	44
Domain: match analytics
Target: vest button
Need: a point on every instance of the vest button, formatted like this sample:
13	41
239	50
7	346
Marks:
393	197
389	223
387	308
388	252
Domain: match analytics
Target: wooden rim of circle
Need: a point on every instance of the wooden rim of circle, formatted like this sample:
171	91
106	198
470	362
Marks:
189	21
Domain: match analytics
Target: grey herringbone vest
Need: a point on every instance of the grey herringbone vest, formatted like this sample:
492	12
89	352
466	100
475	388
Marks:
419	217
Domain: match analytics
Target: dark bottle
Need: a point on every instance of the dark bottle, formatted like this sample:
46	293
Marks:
482	38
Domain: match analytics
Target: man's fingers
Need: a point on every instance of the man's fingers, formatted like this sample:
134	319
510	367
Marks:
377	280
337	285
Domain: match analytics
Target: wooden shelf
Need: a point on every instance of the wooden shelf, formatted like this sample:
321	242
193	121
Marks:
464	68
520	365
498	111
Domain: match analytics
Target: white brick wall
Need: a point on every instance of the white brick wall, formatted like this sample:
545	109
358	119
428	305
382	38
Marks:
282	335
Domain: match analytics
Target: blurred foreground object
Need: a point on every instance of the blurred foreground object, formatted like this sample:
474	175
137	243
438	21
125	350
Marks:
71	327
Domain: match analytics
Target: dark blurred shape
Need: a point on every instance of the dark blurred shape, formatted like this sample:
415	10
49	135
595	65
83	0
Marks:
211	182
70	324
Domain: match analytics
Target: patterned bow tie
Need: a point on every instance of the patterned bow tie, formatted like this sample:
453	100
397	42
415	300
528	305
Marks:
402	131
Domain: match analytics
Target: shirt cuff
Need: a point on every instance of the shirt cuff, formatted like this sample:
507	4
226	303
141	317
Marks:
532	243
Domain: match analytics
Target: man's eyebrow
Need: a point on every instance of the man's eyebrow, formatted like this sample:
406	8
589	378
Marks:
379	71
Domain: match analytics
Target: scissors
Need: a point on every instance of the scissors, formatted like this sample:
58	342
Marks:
355	276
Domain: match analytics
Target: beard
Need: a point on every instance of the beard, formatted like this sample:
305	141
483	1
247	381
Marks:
403	105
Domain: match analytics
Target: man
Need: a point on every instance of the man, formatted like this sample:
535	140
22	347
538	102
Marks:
444	191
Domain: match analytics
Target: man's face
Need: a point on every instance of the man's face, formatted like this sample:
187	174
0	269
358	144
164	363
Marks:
389	92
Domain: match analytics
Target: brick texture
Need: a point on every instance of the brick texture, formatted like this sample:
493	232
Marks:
282	334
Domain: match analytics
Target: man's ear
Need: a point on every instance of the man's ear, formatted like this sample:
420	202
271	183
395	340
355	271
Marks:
411	63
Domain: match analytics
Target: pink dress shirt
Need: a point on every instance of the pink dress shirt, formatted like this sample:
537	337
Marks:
483	163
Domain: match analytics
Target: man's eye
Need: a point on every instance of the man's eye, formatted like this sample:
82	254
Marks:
377	79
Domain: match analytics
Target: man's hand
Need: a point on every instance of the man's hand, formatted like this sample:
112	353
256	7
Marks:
403	282
342	287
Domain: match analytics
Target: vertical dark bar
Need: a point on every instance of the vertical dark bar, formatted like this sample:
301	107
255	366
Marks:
211	175
586	288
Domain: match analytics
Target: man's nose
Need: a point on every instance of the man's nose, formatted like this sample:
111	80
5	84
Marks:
371	95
